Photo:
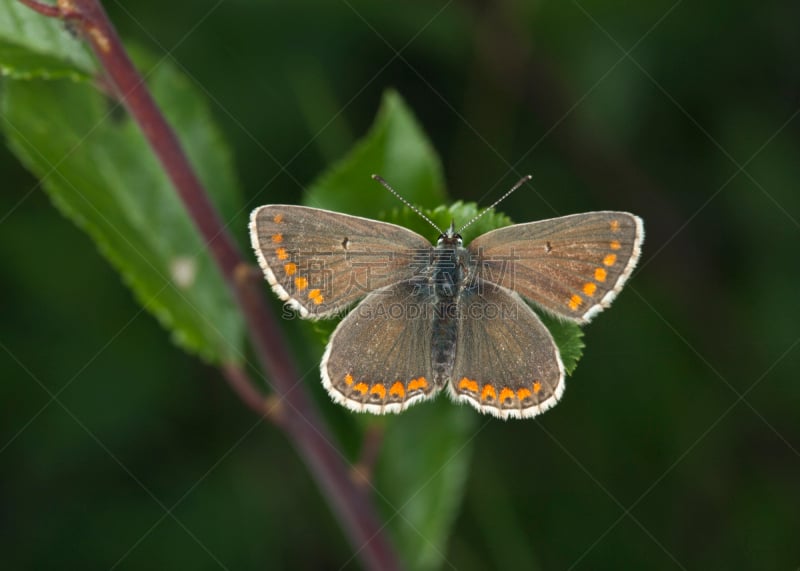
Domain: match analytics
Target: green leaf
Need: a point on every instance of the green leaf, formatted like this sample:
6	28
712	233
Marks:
569	338
394	139
421	475
395	148
425	454
99	171
35	46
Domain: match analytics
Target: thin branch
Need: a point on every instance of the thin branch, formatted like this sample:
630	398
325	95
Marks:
244	388
302	422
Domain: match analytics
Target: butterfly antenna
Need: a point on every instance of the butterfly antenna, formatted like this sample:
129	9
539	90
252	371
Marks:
406	202
520	182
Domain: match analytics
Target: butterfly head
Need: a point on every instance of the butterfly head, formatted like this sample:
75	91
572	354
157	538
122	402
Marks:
450	238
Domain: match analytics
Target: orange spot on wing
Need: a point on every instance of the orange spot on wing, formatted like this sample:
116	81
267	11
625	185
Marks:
290	268
615	245
379	390
348	379
610	259
300	283
361	387
417	384
537	387
523	394
614	225
505	395
488	392
278	218
397	390
466	384
281	253
600	275
589	288
575	302
277	238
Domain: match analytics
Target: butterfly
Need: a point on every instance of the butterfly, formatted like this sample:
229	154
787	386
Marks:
429	317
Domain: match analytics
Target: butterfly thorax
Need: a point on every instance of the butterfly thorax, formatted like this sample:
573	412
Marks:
449	265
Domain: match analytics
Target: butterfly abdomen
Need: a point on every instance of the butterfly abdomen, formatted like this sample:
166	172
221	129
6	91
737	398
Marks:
445	331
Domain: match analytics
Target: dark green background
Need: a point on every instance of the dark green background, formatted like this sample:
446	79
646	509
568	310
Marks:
653	459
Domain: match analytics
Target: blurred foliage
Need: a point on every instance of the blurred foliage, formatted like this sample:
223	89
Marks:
676	444
395	147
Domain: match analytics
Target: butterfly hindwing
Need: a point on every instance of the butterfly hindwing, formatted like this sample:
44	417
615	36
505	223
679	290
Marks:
507	363
571	266
379	357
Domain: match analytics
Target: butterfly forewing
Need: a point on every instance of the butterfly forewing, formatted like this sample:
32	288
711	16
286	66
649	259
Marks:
321	261
507	363
571	266
379	357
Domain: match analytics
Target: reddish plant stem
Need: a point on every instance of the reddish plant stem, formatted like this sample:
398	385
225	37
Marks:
297	415
244	388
